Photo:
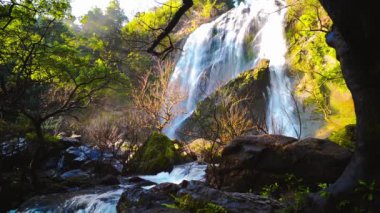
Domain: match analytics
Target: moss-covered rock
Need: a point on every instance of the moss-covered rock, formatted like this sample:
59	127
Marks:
158	154
247	91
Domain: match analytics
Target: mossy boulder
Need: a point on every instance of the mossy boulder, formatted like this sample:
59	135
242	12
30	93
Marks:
247	91
158	154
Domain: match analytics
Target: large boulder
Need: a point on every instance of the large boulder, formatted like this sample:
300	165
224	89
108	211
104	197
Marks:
251	162
158	154
247	91
193	196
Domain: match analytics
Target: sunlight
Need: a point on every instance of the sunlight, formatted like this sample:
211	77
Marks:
130	7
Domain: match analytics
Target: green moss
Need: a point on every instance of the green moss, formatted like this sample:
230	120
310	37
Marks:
159	153
248	50
32	136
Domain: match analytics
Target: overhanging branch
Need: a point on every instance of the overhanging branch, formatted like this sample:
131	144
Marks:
186	5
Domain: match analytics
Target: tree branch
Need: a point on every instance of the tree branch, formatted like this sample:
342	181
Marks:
186	5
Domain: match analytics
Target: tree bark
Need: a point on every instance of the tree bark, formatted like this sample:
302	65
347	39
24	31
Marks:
37	153
357	46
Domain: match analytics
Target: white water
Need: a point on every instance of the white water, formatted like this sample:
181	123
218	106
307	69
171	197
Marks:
281	106
104	200
188	172
217	52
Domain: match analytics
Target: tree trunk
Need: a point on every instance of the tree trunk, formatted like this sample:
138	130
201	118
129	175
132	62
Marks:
367	108
38	129
37	153
357	46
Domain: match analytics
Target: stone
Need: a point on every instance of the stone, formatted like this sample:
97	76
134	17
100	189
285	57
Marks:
249	85
251	162
196	193
77	173
158	154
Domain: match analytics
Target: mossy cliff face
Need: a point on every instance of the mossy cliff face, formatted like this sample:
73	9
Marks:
319	83
246	92
158	154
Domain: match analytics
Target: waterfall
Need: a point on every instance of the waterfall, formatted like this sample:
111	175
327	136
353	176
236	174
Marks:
281	108
218	51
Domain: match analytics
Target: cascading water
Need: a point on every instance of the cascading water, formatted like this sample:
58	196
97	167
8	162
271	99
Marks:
281	105
217	52
104	199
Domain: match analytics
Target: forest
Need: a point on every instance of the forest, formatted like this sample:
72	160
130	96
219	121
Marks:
204	106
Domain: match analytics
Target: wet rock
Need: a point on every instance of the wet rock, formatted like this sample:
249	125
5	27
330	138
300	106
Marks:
83	153
70	140
197	196
138	181
100	167
109	180
252	162
12	147
77	173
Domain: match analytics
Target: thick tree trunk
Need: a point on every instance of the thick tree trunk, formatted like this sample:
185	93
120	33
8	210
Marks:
38	129
37	153
357	46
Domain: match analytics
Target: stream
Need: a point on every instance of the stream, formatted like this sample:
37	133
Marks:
104	199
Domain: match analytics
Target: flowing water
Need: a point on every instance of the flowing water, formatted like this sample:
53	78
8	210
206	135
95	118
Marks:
217	52
104	199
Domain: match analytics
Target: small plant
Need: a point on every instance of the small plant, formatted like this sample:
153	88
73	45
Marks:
269	189
212	208
323	192
292	181
343	204
300	197
367	189
187	203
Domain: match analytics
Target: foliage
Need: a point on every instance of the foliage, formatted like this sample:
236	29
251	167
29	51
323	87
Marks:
324	193
204	150
101	34
141	31
187	203
362	199
367	189
32	137
269	189
45	70
345	137
313	63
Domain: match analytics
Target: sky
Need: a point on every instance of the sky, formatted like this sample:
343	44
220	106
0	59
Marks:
130	7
